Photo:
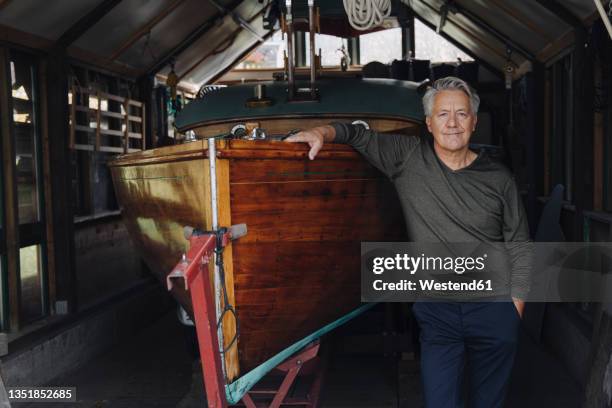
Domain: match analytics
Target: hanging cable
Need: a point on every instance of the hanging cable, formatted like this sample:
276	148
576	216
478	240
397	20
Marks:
366	14
227	306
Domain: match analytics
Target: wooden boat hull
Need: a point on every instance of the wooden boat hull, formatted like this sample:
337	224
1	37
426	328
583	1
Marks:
298	268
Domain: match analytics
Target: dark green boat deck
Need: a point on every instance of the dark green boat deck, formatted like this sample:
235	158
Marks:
387	98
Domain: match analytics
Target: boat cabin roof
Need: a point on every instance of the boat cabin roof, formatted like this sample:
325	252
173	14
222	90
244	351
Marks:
385	98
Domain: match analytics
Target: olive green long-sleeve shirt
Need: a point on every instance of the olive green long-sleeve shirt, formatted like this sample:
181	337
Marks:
480	202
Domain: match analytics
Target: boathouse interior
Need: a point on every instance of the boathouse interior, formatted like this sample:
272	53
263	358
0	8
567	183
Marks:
83	83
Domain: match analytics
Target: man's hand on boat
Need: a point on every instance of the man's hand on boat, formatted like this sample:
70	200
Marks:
315	137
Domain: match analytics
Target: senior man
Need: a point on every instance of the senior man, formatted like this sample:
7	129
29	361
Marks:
451	194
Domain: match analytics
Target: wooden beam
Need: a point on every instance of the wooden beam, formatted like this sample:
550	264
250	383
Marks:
145	87
12	36
598	147
9	172
231	38
521	18
582	136
474	36
535	138
138	34
191	38
561	12
48	193
86	22
61	181
483	25
547	131
102	64
553	49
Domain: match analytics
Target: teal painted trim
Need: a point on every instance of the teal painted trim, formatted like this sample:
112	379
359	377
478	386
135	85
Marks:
387	98
236	390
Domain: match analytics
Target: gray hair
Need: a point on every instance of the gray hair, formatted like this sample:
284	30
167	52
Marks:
449	84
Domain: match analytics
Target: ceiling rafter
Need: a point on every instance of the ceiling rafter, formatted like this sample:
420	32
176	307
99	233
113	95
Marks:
146	28
211	52
468	32
191	38
561	12
521	18
483	25
86	22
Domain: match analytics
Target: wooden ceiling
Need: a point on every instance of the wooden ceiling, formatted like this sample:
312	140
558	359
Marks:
203	37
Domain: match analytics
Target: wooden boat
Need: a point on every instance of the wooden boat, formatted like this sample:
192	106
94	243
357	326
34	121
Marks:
298	268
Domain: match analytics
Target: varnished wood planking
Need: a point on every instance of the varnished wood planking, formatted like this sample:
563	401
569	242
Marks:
225	220
157	202
298	267
268	171
285	263
302	257
314	195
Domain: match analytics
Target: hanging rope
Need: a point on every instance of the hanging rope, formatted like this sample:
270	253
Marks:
366	14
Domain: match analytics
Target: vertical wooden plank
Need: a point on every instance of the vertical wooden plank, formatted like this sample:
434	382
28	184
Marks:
225	220
598	148
72	117
582	137
98	117
61	181
50	247
145	94
143	125
547	131
126	106
11	224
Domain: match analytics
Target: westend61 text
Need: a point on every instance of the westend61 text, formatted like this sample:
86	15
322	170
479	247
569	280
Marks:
432	285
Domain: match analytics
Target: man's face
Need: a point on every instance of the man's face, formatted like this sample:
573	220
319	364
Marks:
451	122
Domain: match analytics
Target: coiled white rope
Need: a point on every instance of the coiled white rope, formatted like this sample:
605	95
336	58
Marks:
365	14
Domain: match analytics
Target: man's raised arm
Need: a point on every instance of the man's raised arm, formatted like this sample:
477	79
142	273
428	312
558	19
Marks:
385	151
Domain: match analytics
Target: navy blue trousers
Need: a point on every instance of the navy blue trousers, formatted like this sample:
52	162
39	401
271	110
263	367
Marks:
478	338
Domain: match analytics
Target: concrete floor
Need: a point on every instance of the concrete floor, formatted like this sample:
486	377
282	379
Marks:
154	369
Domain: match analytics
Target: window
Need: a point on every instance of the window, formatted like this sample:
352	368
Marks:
28	186
270	54
92	187
331	49
431	46
31	267
383	46
25	132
